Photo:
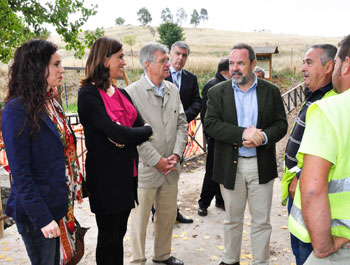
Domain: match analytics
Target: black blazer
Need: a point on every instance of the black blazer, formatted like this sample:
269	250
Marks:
212	82
189	94
109	169
221	124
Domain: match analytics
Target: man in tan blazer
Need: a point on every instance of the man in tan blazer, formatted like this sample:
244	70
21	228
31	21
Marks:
159	103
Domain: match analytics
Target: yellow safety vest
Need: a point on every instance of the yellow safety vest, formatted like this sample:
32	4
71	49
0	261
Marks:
289	173
336	109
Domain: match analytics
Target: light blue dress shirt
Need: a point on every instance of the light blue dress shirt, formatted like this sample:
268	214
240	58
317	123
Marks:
247	112
159	90
176	76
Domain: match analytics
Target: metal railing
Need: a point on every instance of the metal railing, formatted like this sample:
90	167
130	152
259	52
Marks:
195	144
73	118
294	97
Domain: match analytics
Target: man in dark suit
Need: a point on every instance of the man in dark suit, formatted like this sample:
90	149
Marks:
211	188
185	81
246	117
187	84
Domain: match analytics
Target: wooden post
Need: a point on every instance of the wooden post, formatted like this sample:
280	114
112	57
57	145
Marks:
2	221
125	76
270	67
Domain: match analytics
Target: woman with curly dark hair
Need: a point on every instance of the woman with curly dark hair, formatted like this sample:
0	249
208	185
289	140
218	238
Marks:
40	147
113	128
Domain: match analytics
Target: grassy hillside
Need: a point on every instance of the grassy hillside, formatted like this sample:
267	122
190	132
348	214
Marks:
207	47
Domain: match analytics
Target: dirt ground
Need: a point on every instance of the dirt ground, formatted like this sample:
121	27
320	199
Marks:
200	243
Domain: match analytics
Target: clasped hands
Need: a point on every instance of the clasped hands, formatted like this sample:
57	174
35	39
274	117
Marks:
253	137
166	165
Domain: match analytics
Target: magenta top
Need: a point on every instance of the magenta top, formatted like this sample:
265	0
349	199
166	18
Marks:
119	109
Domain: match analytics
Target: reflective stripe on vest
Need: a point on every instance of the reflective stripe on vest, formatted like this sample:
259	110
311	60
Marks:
335	186
295	169
298	216
339	185
335	110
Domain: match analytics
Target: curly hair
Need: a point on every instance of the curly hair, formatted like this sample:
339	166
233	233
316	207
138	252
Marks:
95	70
28	78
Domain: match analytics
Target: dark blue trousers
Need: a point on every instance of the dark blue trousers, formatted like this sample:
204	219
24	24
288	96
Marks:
41	250
300	249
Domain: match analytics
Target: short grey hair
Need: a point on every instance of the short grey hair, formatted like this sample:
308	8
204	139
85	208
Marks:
328	52
147	52
258	69
182	45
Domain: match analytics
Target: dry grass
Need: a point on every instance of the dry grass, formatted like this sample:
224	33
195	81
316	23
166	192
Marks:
207	47
3	80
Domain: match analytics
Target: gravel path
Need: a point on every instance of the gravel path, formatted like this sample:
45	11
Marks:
200	243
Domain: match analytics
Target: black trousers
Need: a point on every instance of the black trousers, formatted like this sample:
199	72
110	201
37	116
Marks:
209	187
111	231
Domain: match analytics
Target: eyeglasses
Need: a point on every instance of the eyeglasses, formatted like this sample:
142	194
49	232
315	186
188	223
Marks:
163	61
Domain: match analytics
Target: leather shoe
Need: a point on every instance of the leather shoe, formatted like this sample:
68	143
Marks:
181	219
170	261
223	263
202	211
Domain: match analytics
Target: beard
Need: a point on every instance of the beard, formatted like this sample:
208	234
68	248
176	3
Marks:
242	79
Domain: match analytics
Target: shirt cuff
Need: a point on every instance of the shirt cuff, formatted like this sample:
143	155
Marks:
266	139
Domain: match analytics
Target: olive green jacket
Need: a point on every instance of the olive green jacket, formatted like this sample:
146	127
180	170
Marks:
221	124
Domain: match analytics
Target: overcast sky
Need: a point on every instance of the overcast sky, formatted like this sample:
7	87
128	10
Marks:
305	17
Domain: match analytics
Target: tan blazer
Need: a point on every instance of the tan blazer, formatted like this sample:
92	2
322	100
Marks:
168	121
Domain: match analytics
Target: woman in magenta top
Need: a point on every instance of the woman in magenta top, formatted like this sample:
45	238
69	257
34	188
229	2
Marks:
113	128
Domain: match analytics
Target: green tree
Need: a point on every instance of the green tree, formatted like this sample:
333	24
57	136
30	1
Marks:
169	33
119	21
23	20
181	16
91	36
130	40
166	15
204	15
144	15
195	18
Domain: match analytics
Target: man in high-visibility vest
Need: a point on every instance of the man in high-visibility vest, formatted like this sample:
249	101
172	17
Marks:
317	67
321	209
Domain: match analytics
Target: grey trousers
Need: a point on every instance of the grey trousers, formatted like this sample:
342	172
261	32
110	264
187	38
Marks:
259	197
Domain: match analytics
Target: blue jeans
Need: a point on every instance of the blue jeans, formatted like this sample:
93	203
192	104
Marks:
300	249
41	250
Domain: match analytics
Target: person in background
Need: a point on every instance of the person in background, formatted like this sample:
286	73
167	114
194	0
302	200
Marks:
246	117
113	128
321	208
187	84
209	187
40	148
159	103
259	72
318	65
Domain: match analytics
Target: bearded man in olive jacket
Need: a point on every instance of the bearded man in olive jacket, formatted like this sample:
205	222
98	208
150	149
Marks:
246	117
